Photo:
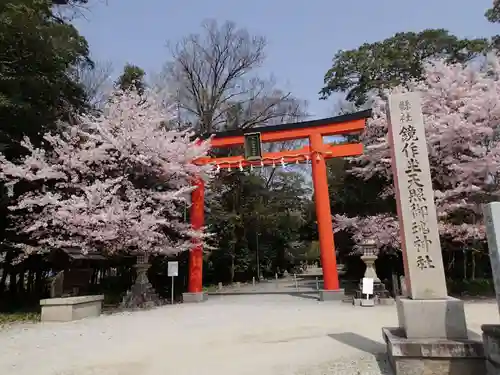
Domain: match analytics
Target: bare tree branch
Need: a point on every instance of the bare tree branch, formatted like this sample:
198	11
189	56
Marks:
96	80
69	10
344	107
213	77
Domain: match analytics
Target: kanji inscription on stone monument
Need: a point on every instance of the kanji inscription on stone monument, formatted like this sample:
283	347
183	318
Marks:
415	198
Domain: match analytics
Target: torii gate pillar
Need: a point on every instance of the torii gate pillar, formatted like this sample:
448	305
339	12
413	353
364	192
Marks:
324	219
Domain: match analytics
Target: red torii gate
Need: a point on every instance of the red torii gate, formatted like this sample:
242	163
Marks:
316	152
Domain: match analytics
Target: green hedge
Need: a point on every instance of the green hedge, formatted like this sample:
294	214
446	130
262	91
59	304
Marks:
476	287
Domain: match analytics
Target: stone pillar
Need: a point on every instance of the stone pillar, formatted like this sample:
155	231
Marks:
432	335
491	332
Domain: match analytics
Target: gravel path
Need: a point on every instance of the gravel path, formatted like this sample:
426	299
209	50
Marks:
236	335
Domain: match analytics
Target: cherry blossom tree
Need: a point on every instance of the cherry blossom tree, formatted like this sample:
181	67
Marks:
112	182
461	110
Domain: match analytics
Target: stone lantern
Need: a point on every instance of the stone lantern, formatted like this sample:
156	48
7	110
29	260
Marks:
369	256
142	293
142	266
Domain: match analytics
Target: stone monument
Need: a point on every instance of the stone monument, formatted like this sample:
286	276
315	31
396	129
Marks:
432	335
491	332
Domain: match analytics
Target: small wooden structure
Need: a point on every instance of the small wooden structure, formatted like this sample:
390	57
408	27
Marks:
77	273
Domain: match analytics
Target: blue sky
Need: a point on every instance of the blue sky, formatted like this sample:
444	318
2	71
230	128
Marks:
302	36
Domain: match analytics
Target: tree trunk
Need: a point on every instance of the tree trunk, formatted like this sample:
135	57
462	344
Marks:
39	282
29	287
451	263
12	283
6	267
464	251
232	268
94	277
21	281
473	275
3	280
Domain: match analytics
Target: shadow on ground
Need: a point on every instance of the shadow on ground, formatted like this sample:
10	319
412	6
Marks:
305	295
375	348
314	297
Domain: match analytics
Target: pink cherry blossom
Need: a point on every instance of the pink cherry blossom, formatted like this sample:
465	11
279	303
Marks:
113	182
461	110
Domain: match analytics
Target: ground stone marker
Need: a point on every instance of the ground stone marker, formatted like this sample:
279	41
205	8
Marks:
427	317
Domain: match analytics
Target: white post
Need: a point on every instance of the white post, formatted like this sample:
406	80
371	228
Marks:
172	292
172	271
317	283
296	284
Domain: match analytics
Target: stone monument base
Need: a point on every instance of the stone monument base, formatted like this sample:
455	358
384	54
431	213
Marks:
436	318
433	356
491	344
331	295
432	338
194	297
